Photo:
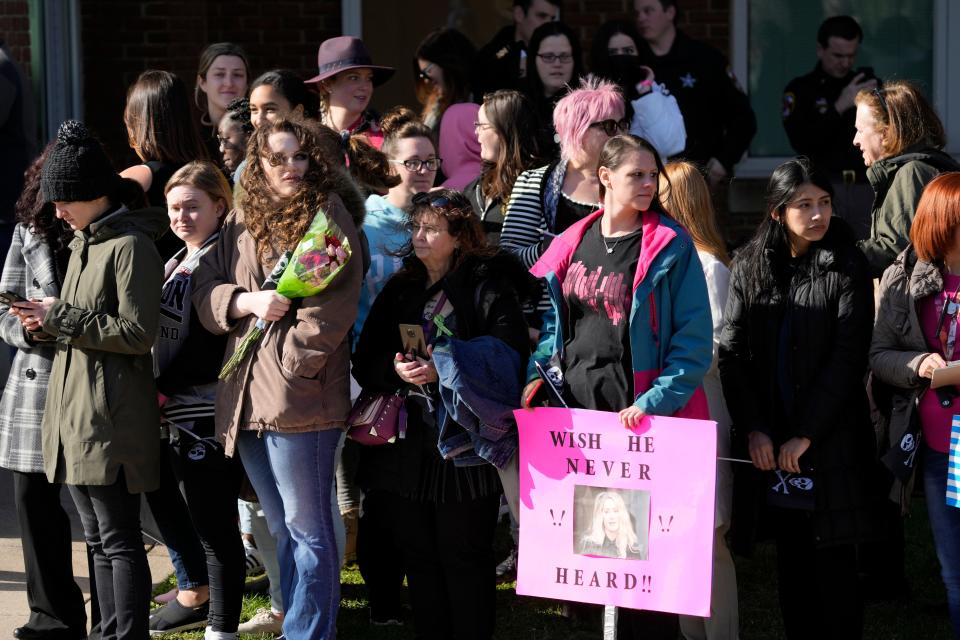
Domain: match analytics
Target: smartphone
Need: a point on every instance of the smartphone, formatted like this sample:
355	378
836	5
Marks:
8	298
867	72
411	337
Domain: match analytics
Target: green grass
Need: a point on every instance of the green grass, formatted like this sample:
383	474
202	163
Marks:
923	617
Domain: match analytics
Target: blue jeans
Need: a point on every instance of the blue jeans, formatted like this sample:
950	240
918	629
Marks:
292	474
945	523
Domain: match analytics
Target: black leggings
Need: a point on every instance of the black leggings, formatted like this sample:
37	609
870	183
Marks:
210	483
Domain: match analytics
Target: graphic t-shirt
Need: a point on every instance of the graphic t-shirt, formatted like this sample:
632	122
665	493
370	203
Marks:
598	290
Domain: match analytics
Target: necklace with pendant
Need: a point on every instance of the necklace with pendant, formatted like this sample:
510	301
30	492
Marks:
608	247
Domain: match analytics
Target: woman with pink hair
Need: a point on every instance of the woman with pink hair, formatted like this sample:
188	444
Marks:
547	200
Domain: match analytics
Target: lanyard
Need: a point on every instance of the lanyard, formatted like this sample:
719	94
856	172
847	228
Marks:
948	335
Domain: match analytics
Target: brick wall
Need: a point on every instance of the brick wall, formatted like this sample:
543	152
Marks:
121	38
707	20
15	30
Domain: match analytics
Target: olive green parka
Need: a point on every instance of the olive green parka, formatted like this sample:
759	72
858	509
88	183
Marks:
102	414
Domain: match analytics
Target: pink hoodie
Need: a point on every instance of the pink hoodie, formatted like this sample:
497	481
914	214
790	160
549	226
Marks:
459	148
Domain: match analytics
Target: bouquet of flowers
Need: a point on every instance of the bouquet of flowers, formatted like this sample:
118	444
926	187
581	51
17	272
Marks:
314	263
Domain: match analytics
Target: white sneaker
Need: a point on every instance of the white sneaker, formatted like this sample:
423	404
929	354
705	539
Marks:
263	621
253	560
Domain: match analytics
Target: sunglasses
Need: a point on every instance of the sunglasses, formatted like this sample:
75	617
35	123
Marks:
612	127
426	199
423	75
879	91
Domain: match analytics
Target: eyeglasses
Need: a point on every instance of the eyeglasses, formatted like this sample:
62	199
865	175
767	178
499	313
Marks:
612	127
550	58
482	125
414	165
423	74
277	159
628	50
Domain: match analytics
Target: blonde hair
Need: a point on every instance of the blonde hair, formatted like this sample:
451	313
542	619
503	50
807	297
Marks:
686	197
204	176
627	539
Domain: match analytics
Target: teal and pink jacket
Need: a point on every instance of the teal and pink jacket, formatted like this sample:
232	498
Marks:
671	332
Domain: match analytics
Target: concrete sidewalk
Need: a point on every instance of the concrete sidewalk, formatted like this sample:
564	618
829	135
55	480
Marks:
13	589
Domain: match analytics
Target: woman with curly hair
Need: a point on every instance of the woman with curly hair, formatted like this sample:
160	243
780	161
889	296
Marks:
33	269
284	408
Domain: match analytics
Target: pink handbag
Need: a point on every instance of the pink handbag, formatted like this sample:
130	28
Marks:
377	418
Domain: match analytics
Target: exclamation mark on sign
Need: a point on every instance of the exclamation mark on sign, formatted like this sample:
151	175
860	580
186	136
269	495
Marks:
647	584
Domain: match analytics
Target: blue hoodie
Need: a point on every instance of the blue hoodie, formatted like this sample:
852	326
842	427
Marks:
386	231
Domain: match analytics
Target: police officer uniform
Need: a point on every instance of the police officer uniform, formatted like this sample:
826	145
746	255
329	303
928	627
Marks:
717	114
817	131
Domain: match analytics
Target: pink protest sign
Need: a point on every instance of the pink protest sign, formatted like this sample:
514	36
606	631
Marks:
616	516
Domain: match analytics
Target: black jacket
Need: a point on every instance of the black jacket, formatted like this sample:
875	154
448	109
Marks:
497	65
815	128
717	114
483	293
792	363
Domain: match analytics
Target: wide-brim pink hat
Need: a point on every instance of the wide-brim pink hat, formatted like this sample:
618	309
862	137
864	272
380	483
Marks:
346	52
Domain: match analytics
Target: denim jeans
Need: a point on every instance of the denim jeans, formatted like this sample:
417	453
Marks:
945	523
292	474
111	525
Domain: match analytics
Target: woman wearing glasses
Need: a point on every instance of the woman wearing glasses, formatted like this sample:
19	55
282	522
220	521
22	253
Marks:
901	139
442	68
916	334
441	510
547	200
268	409
554	64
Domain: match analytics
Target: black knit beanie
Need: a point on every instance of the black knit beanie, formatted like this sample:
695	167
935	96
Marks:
77	169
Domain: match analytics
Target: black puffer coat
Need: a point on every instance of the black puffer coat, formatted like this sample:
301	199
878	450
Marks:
792	363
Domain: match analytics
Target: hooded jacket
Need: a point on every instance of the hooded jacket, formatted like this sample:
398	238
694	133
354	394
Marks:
671	334
297	378
898	183
897	349
101	413
459	149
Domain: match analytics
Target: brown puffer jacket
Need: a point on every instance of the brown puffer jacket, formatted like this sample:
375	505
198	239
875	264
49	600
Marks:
298	377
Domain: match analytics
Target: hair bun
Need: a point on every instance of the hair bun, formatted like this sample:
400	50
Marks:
72	132
397	117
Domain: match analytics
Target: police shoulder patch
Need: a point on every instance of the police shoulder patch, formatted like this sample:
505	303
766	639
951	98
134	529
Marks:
789	102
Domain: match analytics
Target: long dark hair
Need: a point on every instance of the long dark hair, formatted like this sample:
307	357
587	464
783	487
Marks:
599	58
453	52
513	119
534	83
159	123
290	85
769	248
37	215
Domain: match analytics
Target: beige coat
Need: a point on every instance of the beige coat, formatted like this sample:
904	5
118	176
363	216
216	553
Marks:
298	377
